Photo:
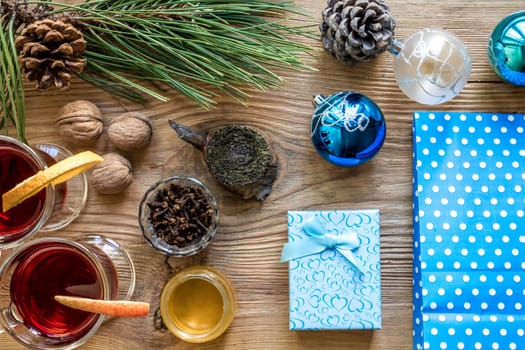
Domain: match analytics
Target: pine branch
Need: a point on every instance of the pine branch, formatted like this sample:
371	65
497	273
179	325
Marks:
138	48
195	48
12	96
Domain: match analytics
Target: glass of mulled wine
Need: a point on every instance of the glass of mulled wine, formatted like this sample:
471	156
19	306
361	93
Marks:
52	208
36	271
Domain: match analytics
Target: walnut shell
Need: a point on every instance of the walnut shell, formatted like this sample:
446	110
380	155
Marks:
112	175
130	131
80	122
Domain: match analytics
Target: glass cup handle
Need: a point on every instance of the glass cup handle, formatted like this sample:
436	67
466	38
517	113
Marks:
70	198
8	319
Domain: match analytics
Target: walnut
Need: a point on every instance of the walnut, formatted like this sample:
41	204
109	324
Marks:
130	131
80	122
112	175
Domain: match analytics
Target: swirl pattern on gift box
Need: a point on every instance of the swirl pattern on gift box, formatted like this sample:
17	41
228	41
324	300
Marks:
326	290
469	231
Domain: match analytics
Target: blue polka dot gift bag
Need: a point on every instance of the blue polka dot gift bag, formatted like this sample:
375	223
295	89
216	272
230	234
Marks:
334	269
469	231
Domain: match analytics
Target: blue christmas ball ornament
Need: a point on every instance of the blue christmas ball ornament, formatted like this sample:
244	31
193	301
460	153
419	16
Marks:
347	128
506	49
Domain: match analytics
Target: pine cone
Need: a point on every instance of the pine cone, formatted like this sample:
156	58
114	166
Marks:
356	30
50	51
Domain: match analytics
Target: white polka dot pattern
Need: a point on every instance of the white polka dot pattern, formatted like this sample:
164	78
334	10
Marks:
469	231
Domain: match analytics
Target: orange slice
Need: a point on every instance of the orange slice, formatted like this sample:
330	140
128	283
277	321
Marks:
54	175
117	308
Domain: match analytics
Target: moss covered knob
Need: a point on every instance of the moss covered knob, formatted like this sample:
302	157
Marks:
238	157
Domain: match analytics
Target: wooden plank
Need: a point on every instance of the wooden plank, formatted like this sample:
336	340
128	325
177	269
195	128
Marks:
249	240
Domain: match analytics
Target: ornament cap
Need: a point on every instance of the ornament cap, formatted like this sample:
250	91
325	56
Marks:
318	99
396	47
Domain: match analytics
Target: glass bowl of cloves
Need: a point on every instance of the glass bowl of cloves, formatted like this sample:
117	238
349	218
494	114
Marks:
178	216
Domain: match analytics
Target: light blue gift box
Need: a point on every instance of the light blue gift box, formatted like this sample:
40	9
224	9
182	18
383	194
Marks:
334	269
469	231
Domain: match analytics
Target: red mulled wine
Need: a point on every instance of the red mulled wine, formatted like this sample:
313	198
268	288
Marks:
48	269
15	166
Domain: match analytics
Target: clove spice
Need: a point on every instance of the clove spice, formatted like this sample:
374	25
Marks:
180	215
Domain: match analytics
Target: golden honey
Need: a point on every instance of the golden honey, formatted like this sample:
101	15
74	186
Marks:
198	304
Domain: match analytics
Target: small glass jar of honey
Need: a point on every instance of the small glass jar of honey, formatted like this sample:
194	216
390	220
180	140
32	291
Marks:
198	304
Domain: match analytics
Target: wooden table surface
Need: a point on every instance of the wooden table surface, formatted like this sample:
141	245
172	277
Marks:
251	234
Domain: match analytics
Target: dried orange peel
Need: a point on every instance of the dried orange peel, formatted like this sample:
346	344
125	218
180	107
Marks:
53	175
122	308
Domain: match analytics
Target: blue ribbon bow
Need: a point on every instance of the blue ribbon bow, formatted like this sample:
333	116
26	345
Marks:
318	241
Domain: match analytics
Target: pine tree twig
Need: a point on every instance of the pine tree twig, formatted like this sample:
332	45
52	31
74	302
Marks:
12	108
200	49
191	46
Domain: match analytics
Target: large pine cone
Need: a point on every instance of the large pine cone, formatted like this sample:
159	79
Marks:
50	51
356	30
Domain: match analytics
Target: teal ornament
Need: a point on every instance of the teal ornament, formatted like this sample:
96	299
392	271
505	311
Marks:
431	66
318	240
347	128
506	49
